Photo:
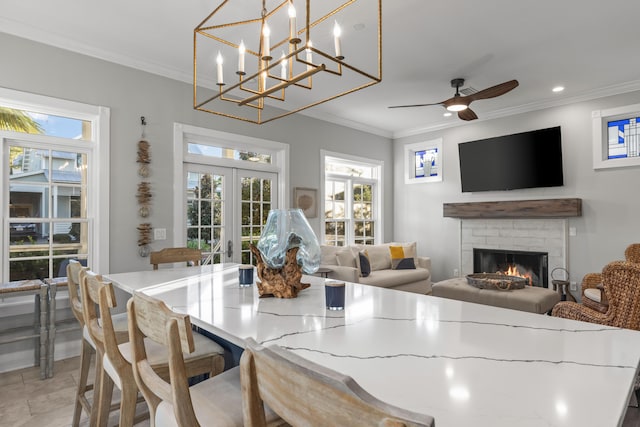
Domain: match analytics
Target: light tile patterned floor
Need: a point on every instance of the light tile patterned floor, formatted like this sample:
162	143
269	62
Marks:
26	400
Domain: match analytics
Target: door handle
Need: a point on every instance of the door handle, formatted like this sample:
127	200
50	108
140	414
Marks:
229	249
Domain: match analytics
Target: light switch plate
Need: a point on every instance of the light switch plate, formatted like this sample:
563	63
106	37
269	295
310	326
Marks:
159	234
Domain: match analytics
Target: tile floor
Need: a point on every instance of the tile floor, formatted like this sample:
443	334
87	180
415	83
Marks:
25	400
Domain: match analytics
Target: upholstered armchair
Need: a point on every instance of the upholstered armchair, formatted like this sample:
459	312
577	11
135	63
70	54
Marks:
621	289
592	295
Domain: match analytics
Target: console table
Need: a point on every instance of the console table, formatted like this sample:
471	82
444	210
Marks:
464	364
40	314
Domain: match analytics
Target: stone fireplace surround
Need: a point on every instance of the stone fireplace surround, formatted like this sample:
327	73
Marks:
525	225
537	235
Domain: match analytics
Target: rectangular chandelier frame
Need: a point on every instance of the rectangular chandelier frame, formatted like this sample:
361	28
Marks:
270	85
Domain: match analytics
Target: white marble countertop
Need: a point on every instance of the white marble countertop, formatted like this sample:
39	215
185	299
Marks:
465	364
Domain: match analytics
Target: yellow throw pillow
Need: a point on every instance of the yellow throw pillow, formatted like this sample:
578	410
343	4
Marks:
396	252
398	260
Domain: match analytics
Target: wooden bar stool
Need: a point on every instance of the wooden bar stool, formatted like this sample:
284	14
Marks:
171	255
115	351
305	393
75	270
213	402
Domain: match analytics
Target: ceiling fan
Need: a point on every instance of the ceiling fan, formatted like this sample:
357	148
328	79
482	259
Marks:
460	104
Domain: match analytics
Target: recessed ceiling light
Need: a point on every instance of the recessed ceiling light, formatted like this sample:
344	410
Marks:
558	89
447	114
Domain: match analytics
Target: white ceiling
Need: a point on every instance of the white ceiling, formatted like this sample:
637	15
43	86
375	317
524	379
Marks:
589	46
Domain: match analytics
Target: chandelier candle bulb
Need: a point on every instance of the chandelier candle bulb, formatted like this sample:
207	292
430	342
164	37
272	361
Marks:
241	51
266	49
219	61
336	40
293	38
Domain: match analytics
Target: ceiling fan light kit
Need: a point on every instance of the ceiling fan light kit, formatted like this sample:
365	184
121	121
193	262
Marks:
460	104
457	107
255	61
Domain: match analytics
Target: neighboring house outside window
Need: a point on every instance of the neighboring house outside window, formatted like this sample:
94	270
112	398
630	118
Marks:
55	202
352	201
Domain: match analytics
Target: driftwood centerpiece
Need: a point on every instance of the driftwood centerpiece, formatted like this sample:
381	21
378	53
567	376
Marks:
279	282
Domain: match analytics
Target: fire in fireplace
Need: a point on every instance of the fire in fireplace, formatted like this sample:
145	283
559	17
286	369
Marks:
531	265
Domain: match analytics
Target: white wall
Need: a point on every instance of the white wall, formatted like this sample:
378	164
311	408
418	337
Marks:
129	93
611	198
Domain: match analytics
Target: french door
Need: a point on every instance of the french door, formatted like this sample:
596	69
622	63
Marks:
226	209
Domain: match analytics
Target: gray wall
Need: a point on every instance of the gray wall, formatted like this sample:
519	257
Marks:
611	198
129	93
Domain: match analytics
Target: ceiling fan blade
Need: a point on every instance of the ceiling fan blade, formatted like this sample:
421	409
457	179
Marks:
467	114
494	91
414	105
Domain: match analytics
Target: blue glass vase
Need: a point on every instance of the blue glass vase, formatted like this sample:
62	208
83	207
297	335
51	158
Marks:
286	229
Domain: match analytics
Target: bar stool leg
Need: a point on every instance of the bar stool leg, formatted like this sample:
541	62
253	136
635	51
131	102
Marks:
36	330
51	337
102	400
44	333
82	402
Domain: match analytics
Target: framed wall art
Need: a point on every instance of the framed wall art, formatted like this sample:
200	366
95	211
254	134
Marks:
307	200
423	162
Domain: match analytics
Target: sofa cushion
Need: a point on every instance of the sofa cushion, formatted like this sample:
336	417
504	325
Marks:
389	278
328	254
345	258
379	257
365	265
403	264
399	261
409	250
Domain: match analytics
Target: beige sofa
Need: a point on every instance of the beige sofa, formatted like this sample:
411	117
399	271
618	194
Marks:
343	261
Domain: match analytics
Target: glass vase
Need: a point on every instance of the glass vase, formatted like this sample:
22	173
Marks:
286	229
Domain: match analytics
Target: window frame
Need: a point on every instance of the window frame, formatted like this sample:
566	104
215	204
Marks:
184	134
377	183
98	164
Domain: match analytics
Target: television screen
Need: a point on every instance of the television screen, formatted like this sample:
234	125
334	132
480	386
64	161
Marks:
523	160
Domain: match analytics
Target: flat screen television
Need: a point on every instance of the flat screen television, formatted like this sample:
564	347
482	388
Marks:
522	160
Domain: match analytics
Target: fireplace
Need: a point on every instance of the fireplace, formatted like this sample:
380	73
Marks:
532	265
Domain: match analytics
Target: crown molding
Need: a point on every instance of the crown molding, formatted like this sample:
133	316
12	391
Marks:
26	31
325	117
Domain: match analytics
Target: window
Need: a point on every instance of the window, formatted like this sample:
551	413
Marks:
351	201
616	137
52	191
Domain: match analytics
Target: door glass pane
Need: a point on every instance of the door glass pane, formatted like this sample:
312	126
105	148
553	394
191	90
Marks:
219	151
255	204
205	202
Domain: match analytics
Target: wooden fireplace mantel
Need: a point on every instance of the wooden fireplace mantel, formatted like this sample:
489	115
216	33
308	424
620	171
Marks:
544	208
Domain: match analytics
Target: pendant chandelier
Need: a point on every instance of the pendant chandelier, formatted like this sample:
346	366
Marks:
260	60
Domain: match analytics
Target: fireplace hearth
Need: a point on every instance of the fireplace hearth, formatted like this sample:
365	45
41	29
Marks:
532	265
